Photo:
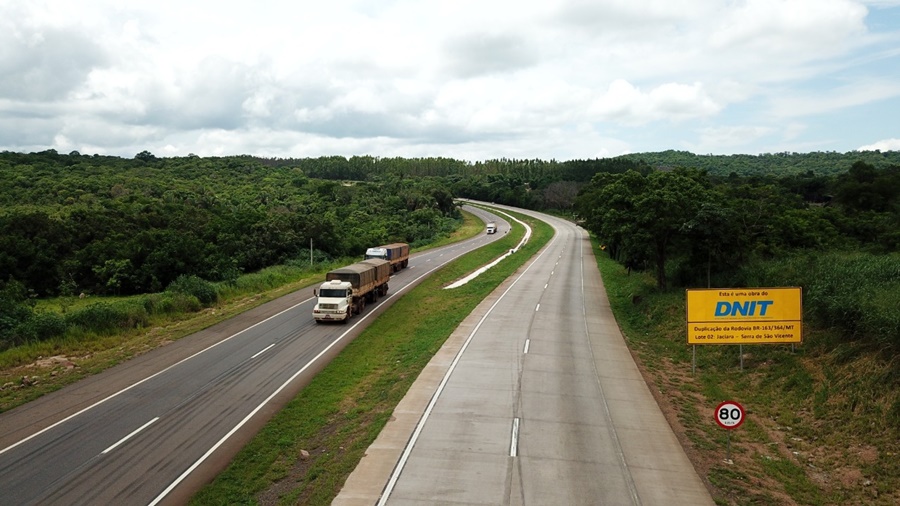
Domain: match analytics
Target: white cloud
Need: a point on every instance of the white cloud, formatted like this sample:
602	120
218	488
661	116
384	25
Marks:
882	145
44	64
804	28
714	139
627	104
816	102
882	3
486	78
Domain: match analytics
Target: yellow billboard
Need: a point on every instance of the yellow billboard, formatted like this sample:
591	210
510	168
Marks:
744	316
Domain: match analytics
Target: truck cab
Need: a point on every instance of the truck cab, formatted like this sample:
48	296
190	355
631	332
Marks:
335	301
379	252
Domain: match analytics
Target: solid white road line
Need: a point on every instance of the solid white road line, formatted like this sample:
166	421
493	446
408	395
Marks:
514	444
260	352
126	438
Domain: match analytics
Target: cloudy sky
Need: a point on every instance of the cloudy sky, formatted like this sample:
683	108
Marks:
471	80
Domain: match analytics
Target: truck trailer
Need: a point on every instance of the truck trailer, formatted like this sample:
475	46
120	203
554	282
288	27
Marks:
347	289
397	254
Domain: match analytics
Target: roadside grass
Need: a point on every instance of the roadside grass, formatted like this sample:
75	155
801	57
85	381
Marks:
305	453
821	425
36	368
823	420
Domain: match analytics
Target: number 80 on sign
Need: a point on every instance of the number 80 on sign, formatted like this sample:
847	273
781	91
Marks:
729	415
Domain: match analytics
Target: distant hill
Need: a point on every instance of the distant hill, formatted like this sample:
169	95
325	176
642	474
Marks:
772	164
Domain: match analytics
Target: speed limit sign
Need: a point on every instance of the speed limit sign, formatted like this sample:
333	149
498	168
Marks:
729	415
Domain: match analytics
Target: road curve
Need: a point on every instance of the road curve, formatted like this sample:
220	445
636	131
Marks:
535	399
156	428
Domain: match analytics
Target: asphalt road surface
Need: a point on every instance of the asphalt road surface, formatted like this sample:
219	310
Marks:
156	428
534	400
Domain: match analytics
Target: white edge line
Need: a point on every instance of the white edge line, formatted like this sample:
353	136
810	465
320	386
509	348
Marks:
129	436
483	269
148	378
395	475
260	352
514	441
284	385
629	478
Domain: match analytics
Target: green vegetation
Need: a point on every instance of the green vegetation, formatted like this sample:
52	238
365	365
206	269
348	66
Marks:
40	366
338	415
102	332
694	231
768	164
822	424
72	224
155	237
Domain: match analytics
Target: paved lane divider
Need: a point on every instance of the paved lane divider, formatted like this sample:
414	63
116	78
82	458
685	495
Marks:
129	436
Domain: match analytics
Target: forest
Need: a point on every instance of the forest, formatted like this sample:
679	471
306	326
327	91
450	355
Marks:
74	224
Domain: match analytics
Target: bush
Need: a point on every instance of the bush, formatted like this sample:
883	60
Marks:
41	326
103	317
855	293
196	286
179	303
15	309
170	303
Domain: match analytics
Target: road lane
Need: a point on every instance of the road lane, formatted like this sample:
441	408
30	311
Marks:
534	400
205	394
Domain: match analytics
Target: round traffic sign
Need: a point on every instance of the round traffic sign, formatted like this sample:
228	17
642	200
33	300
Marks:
729	415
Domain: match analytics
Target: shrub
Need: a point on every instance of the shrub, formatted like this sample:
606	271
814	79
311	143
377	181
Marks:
41	326
203	290
170	303
181	303
15	309
855	293
103	317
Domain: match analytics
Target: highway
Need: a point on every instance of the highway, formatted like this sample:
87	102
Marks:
534	400
156	428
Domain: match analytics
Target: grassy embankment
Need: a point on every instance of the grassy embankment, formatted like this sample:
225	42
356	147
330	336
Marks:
338	415
34	369
820	428
31	370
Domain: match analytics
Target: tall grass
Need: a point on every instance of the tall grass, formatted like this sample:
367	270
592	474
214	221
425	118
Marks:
812	409
340	413
104	317
125	326
857	294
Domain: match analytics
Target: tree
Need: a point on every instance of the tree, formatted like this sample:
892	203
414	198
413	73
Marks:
641	219
560	194
711	235
607	206
670	200
145	156
15	308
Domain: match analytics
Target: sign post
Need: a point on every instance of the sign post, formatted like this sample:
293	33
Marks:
729	415
744	316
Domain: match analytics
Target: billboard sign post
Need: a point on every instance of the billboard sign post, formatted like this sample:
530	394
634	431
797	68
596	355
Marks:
744	316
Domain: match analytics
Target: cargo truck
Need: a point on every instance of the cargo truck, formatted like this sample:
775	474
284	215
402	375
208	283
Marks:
491	227
397	254
347	289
